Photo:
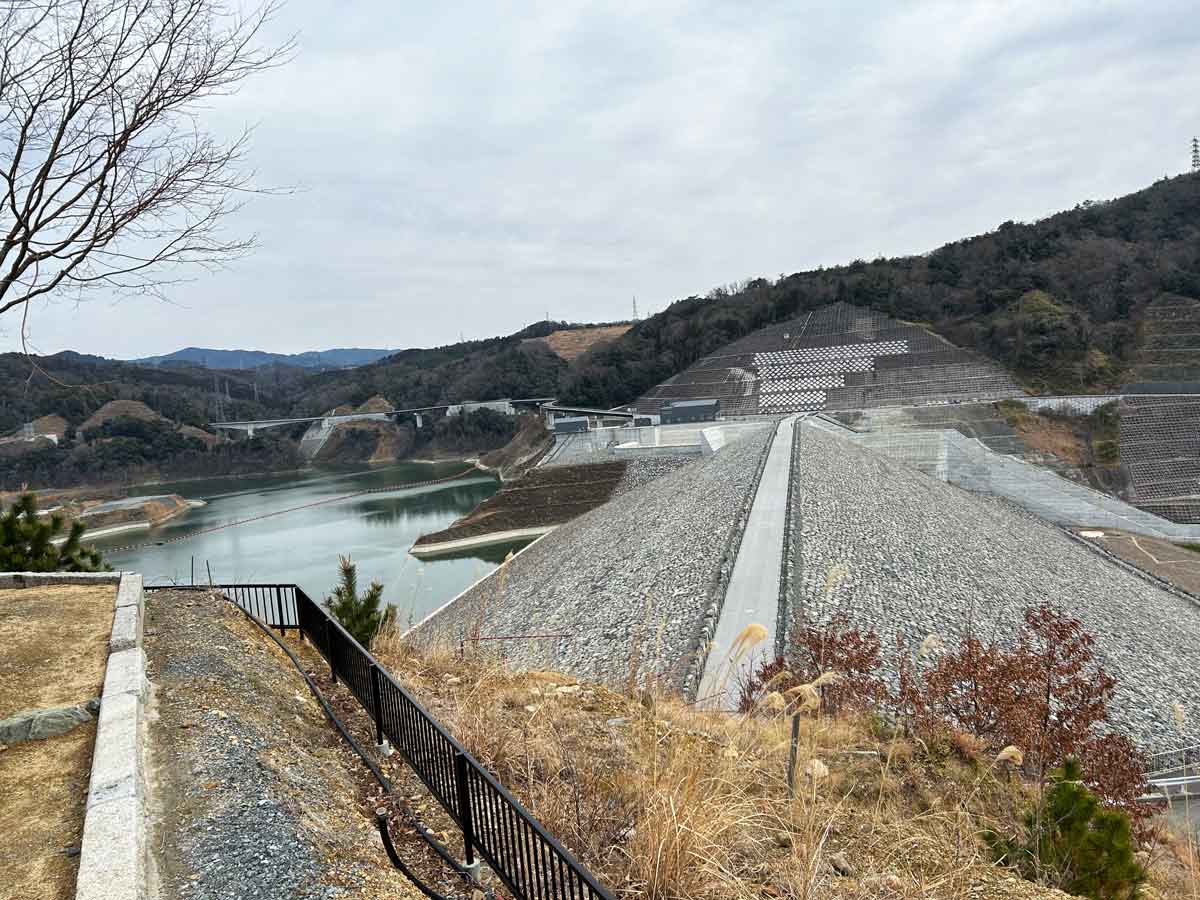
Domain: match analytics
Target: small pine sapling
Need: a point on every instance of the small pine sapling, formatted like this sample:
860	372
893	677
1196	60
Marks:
1070	842
27	542
359	615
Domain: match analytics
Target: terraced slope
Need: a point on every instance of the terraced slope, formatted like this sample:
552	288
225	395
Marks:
1169	349
906	555
836	357
1160	448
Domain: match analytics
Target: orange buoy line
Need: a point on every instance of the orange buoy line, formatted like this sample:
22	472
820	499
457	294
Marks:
280	512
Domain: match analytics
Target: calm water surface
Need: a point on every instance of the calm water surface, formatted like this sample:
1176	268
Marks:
302	546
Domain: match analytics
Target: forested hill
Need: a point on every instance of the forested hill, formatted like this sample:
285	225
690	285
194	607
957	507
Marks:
208	358
1081	301
1063	303
74	386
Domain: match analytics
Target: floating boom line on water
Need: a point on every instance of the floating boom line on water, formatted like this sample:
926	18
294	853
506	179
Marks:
279	512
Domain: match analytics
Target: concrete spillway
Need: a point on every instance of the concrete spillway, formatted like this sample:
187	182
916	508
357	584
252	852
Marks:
752	596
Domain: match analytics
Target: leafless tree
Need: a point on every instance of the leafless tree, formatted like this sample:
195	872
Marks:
106	177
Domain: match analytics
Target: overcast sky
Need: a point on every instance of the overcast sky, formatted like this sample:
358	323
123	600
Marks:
471	168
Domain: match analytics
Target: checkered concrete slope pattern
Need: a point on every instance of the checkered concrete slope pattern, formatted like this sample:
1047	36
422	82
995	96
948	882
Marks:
1160	448
836	357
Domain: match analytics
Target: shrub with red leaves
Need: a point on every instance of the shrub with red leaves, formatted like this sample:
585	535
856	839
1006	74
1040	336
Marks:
1045	694
836	647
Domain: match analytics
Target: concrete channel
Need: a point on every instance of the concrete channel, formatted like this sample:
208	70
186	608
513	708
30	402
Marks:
752	597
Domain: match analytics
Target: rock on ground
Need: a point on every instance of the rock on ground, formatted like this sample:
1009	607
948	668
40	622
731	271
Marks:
904	554
624	587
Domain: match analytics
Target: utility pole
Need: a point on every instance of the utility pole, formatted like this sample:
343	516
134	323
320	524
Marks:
1196	154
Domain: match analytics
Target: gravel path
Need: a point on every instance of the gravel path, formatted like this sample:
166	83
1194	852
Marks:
627	585
253	794
903	553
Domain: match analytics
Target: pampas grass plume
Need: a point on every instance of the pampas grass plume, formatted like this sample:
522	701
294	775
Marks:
929	646
1179	714
1011	755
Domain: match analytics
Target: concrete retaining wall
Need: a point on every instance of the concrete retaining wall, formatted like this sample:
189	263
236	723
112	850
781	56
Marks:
34	579
112	860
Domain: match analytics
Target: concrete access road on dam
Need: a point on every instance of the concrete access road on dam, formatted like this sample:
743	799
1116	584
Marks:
753	592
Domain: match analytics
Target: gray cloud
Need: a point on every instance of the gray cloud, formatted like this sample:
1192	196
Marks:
469	169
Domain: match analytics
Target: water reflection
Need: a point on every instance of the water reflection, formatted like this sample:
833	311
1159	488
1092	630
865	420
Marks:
302	546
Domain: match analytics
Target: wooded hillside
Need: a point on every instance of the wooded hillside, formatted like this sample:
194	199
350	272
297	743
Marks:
1066	303
1082	301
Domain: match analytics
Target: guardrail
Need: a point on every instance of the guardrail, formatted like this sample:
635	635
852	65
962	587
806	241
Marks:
531	863
1169	762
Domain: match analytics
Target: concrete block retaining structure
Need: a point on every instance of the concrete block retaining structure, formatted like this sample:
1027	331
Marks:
113	860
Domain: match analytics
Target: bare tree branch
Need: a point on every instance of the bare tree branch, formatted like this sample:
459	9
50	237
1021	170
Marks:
105	178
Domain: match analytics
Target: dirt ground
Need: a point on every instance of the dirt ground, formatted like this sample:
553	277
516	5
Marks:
1057	437
1168	561
56	647
541	497
573	343
249	782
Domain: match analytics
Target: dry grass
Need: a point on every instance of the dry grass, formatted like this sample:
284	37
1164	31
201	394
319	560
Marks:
663	800
55	641
573	343
43	791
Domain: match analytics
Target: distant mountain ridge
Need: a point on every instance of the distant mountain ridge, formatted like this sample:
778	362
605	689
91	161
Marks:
209	358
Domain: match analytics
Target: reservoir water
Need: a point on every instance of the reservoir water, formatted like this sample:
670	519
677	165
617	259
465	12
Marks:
302	546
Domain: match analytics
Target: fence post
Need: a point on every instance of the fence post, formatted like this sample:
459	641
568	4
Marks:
377	705
332	652
301	618
791	772
464	813
279	609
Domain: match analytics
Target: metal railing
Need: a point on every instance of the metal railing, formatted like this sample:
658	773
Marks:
531	863
1174	762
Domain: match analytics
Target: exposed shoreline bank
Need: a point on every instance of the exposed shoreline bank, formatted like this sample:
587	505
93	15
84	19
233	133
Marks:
429	551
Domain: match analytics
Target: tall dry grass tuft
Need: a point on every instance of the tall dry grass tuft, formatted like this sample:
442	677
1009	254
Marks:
664	800
500	581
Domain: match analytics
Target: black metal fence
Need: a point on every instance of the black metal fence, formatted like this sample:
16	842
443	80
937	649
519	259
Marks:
532	864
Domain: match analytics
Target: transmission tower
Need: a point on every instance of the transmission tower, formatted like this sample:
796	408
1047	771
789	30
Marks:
1196	154
635	315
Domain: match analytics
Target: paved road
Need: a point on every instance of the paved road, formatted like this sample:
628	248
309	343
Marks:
753	593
